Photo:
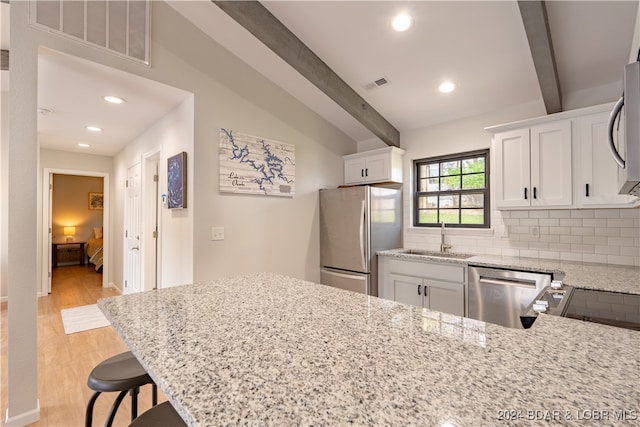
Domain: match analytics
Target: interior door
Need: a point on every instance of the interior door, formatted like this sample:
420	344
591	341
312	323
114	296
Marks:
132	219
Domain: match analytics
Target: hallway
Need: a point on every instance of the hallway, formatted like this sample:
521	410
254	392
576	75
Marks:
64	361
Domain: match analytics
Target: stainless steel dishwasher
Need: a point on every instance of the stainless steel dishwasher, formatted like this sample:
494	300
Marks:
501	296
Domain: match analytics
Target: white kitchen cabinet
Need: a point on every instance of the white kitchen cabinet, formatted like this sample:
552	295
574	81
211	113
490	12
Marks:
430	284
595	179
381	165
532	166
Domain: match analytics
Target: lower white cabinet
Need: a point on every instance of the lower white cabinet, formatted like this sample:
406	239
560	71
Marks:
435	285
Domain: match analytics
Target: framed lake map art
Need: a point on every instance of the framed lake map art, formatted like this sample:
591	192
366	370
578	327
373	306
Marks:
255	165
177	181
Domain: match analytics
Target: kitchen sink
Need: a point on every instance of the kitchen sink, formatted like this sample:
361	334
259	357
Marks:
435	254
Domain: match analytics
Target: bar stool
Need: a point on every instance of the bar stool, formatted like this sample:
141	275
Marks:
162	415
122	373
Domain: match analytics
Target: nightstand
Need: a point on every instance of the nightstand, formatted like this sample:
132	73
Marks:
73	251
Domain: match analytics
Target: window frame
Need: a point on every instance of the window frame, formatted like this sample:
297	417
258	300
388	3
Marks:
450	158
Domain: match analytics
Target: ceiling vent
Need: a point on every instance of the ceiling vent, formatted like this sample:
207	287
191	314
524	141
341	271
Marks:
379	82
118	26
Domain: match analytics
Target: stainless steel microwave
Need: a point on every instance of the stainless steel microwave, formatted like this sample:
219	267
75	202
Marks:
624	122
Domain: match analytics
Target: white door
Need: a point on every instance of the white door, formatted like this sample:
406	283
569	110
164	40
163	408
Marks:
132	226
49	234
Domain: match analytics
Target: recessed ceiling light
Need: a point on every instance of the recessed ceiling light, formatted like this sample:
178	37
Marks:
94	128
447	87
83	145
113	99
402	22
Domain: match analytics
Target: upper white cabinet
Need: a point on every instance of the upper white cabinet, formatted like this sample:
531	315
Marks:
381	165
559	161
532	166
595	183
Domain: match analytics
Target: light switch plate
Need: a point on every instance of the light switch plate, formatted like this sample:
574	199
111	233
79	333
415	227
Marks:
217	233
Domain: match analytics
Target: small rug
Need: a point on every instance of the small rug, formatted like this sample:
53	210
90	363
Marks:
83	318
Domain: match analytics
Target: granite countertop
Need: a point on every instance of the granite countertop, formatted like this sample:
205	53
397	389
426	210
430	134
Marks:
265	349
616	278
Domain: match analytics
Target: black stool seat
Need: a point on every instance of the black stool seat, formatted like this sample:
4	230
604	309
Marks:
117	373
162	415
124	374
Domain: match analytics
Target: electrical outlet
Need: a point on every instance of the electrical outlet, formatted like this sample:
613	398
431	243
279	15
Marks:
217	233
535	231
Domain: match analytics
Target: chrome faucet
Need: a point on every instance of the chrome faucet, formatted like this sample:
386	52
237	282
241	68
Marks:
443	246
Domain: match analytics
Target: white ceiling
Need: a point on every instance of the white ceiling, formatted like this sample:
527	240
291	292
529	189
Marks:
480	45
73	90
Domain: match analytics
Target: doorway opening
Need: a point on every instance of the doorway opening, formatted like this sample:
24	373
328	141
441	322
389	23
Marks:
75	223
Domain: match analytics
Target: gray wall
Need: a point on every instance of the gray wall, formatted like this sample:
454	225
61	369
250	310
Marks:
274	234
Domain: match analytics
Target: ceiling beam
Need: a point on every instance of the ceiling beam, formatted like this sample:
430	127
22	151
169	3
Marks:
4	60
254	17
536	25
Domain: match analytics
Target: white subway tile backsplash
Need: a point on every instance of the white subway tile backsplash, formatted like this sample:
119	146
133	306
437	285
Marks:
591	235
582	248
594	240
560	247
529	253
539	214
571	239
630	213
570	256
549	238
624	260
630	251
510	252
518	230
550	255
520	214
607	250
602	259
622	223
571	222
582	231
612	232
558	230
594	222
620	241
559	214
606	213
582	214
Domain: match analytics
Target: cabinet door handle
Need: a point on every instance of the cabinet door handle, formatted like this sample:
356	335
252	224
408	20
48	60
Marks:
366	172
419	286
587	190
535	193
526	196
362	173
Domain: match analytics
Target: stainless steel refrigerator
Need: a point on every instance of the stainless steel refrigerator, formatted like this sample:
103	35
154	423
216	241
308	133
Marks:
355	223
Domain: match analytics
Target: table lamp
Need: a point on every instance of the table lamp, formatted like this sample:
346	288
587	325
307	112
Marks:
69	232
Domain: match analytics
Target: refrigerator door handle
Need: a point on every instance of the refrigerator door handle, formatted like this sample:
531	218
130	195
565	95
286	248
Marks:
362	243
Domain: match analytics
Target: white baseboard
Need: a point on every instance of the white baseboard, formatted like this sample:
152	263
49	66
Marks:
113	285
23	419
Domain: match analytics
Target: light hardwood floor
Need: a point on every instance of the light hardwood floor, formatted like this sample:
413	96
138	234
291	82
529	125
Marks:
64	361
